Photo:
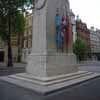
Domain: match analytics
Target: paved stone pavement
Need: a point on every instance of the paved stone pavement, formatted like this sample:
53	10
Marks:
91	66
20	67
3	65
17	68
89	90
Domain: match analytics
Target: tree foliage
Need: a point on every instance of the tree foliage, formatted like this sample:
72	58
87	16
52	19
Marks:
11	6
19	29
80	49
19	22
8	14
3	28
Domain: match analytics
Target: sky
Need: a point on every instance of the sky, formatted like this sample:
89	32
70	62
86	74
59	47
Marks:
88	11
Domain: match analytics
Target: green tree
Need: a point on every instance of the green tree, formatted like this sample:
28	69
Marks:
80	49
3	28
19	28
8	9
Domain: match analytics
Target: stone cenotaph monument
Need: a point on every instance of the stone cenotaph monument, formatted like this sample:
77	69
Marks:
46	59
51	64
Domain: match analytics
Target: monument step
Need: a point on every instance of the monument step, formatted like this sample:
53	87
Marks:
46	87
47	79
50	80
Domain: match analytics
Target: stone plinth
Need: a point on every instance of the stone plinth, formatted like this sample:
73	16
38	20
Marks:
44	60
51	65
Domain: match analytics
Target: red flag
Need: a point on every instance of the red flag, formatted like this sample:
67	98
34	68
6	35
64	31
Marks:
67	31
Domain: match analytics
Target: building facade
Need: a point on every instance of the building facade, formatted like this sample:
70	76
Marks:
14	45
27	37
3	52
4	49
95	42
18	40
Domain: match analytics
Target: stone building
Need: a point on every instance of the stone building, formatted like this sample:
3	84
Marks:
27	37
95	42
14	41
23	40
4	50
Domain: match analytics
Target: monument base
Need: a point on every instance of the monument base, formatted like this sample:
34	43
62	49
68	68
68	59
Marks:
49	85
47	65
48	73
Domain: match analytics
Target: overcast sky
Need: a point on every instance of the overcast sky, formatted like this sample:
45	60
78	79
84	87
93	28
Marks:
88	10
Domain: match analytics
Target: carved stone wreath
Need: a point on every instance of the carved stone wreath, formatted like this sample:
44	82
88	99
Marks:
42	5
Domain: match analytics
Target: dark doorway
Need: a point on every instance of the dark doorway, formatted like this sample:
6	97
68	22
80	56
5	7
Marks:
1	56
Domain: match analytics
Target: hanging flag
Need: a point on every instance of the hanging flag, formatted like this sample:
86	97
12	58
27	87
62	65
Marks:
58	30
67	31
63	30
57	20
